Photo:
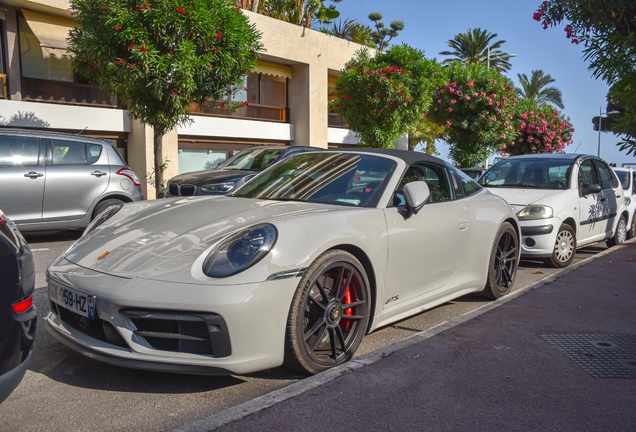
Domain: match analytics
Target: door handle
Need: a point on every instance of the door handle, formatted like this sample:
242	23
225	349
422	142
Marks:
603	199
98	173
462	225
34	174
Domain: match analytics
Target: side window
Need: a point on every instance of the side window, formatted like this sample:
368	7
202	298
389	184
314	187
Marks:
435	176
469	185
93	151
606	178
18	151
69	153
587	174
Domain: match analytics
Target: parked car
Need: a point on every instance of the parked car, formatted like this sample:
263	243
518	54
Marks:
56	181
474	173
223	179
18	316
627	177
294	267
563	201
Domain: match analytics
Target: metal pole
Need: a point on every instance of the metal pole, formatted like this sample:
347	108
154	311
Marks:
599	131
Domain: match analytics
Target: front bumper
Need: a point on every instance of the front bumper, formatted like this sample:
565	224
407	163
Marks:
252	317
538	237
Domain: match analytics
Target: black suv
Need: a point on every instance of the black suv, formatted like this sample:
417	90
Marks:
221	181
18	316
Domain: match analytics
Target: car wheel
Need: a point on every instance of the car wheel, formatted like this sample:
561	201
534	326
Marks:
620	234
632	230
329	313
104	205
502	267
564	247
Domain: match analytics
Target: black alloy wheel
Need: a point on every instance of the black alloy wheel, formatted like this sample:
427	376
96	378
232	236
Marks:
329	313
504	259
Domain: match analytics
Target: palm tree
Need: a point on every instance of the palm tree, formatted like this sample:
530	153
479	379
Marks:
536	88
425	131
342	29
475	46
363	35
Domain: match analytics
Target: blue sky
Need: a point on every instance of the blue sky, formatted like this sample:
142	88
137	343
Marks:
429	24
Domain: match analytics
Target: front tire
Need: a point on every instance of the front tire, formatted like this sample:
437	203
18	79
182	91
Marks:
621	233
329	313
564	247
632	230
502	267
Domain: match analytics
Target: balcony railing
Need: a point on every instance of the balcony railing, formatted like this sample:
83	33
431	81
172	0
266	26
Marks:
252	111
65	93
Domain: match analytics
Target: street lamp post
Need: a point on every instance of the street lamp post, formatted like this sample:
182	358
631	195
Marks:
600	114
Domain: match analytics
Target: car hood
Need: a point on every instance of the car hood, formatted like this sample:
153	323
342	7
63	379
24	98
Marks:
520	198
199	178
149	234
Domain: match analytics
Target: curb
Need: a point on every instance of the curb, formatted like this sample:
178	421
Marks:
270	399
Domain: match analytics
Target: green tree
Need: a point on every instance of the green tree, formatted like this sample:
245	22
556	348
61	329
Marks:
537	88
301	12
475	46
427	132
383	97
607	29
363	35
477	106
542	129
159	58
341	29
382	35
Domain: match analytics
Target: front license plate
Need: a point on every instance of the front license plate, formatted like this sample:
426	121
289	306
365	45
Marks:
78	302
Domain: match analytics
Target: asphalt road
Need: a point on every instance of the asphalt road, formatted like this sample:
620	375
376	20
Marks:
65	391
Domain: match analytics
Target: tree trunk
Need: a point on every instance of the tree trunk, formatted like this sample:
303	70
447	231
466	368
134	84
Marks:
158	169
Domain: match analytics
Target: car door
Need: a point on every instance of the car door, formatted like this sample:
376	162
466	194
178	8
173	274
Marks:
593	207
426	249
612	195
77	173
22	177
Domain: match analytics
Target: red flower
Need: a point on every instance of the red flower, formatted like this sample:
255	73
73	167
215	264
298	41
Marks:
104	5
142	48
131	65
117	28
245	103
91	66
222	106
181	10
132	46
174	93
170	52
244	88
218	36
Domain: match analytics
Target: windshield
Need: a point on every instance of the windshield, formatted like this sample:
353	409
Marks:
253	160
623	176
346	179
539	173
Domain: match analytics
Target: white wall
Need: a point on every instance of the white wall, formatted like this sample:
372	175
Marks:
237	128
58	116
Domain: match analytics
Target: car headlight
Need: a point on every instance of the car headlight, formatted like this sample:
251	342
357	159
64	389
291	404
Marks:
533	212
240	251
628	201
102	217
219	188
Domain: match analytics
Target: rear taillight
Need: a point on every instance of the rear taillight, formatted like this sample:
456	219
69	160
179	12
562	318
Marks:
24	305
3	218
127	172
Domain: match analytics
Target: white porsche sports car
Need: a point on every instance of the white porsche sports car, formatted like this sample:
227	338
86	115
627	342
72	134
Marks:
294	267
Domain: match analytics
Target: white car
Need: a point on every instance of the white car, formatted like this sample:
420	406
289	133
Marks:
293	267
627	177
563	202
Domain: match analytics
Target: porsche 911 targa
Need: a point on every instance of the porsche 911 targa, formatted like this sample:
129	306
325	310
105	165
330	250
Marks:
294	267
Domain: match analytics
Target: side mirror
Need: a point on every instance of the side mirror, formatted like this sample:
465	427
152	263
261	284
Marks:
591	189
242	181
416	194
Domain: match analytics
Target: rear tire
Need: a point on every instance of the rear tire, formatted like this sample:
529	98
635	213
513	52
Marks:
620	234
104	205
564	247
502	267
632	230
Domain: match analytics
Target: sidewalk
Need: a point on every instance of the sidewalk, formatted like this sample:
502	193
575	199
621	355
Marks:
501	370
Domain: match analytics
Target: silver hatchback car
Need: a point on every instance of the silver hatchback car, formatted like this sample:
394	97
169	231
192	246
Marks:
54	181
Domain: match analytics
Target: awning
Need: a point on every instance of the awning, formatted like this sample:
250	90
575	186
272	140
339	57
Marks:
51	31
274	69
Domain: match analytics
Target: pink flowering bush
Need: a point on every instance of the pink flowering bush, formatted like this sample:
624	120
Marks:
383	97
477	106
542	129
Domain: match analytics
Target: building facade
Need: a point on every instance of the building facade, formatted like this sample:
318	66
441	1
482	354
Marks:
288	93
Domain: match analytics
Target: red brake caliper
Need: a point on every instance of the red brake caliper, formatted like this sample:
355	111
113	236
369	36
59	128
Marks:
347	299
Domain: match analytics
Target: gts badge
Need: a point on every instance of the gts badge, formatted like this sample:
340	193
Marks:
392	299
